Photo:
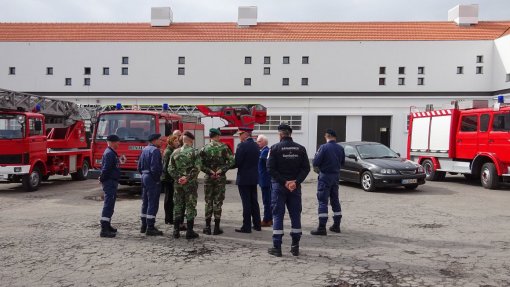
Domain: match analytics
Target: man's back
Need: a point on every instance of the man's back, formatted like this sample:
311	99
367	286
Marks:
288	160
247	159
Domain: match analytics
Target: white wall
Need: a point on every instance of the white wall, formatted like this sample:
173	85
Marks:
501	63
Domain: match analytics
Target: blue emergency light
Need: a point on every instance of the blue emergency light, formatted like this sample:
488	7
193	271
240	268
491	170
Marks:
501	99
165	107
118	106
37	108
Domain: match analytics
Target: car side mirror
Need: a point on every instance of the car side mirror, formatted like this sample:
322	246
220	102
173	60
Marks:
353	156
398	154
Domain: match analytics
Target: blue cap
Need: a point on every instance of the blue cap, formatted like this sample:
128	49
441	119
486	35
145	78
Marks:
154	137
113	138
284	127
331	132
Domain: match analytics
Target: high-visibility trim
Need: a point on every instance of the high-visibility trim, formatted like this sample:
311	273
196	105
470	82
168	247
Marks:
143	215
278	232
295	230
337	213
105	219
323	215
151	217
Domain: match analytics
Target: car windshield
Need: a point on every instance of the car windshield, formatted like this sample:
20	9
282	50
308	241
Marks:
128	127
10	126
368	151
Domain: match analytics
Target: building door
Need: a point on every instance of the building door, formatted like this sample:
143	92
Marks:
337	123
376	129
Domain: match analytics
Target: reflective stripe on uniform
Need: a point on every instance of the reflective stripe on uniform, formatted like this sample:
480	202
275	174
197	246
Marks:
151	217
277	231
295	230
105	219
337	213
143	215
323	215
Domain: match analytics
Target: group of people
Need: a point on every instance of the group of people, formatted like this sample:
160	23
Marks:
279	170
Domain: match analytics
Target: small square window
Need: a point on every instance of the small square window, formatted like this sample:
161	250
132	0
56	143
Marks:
125	60
286	60
86	71
508	77
247	60
180	71
304	81
68	81
401	81
401	70
106	71
181	60
267	60
125	71
421	70
421	81
382	70
86	82
267	71
247	81
479	59
479	70
285	81
12	70
382	81
460	70
305	60
49	70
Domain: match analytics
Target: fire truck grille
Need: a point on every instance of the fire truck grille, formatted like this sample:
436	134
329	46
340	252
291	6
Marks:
10	159
408	172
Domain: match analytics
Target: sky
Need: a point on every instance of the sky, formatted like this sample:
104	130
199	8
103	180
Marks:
226	10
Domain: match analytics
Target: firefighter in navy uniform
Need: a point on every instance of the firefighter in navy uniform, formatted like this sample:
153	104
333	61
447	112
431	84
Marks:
288	166
150	166
330	157
109	178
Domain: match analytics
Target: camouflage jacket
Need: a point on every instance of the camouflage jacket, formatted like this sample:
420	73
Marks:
165	176
184	161
216	156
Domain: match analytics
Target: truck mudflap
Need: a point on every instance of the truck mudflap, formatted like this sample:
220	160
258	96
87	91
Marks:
127	177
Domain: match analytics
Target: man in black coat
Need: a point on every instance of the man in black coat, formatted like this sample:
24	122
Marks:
247	159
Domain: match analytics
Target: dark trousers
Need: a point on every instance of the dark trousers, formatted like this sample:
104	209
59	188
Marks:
282	197
110	196
168	188
251	209
327	190
151	190
266	200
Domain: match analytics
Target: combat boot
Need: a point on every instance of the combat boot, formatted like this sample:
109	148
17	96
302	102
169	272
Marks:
143	229
321	230
190	234
153	231
112	229
217	229
177	222
275	251
105	232
207	229
294	248
335	228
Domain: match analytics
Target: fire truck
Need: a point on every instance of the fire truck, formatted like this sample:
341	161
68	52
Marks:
470	139
134	123
40	137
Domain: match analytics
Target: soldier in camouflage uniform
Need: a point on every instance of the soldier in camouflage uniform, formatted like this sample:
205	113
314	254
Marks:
216	158
184	168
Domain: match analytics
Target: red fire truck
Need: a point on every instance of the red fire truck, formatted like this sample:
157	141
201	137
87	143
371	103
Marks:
40	137
133	124
470	138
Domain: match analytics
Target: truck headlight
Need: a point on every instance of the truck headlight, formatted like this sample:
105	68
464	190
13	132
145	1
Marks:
17	169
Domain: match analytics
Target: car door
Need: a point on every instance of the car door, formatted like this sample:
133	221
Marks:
350	171
499	136
467	137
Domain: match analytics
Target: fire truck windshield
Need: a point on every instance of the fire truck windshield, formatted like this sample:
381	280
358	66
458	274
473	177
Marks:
128	126
11	126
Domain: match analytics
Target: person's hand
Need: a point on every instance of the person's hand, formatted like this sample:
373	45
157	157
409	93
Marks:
122	159
291	185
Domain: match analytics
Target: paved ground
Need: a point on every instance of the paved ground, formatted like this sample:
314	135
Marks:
443	234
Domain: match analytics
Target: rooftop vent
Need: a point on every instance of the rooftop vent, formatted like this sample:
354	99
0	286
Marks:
161	16
247	16
464	15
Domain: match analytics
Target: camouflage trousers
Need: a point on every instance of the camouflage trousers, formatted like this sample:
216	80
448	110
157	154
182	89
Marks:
185	199
214	196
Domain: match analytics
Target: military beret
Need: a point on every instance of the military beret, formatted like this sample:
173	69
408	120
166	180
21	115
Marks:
154	137
113	138
284	127
331	132
214	131
189	135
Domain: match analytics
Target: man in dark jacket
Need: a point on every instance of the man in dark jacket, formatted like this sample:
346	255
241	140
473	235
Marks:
265	181
246	161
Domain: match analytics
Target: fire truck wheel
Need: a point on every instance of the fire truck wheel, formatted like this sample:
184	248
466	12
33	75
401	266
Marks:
431	172
32	181
83	172
489	176
367	181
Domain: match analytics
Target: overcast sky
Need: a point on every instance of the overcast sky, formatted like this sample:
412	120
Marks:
226	10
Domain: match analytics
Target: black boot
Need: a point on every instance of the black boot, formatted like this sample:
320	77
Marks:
217	229
335	228
105	232
294	248
143	229
321	230
190	234
112	229
177	233
275	251
207	229
153	231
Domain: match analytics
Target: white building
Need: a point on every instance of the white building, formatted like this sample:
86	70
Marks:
358	78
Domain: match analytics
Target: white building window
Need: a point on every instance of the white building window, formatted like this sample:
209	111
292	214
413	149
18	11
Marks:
286	60
508	77
305	60
460	70
68	82
12	70
382	70
86	82
125	71
421	70
247	60
106	71
247	81
87	71
479	59
304	81
267	71
181	60
382	81
401	81
180	71
267	60
49	70
421	81
125	60
272	123
285	81
401	70
479	70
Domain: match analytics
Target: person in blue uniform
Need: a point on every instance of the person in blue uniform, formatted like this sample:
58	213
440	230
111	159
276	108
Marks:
288	166
246	161
109	178
150	166
328	160
265	182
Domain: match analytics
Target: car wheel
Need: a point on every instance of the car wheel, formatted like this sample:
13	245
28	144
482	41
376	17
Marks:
367	181
411	187
489	176
431	173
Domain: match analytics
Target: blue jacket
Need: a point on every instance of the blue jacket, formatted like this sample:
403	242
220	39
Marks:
264	177
110	169
247	159
329	159
150	162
